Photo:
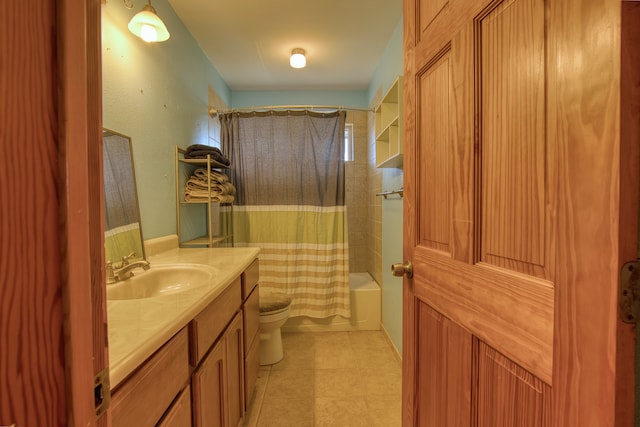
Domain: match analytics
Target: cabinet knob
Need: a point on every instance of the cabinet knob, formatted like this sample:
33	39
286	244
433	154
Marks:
400	270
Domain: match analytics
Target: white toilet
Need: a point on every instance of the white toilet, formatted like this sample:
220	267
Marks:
274	311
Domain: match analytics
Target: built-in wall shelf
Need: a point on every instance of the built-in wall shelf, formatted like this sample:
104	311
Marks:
388	123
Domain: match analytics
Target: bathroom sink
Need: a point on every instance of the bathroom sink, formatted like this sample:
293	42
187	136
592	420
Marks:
162	280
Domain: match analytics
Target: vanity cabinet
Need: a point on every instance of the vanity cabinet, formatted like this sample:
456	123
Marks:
251	316
205	373
388	126
202	222
143	398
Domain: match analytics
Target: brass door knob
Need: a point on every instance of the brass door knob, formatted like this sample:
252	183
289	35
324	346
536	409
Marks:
400	270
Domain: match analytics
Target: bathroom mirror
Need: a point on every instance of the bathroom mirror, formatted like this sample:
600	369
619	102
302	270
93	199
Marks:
123	231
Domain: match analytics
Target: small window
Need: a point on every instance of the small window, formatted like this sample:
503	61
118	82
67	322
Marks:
214	132
348	142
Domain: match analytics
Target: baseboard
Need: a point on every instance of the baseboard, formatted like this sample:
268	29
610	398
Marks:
396	353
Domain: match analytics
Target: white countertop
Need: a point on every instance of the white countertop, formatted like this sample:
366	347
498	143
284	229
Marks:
139	327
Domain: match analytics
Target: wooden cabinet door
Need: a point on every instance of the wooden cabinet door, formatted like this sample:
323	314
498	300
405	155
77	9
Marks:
512	213
209	388
234	339
251	316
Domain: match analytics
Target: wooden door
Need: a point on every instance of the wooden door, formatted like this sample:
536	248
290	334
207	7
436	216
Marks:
52	294
512	212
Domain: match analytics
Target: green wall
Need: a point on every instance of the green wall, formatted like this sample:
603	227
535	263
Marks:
156	94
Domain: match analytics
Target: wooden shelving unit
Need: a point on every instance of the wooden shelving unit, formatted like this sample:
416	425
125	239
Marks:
388	124
207	224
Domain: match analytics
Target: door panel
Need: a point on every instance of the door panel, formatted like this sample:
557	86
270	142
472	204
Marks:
509	395
435	156
511	208
429	9
511	312
514	315
513	145
444	351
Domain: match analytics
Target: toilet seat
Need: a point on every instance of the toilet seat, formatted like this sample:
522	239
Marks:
274	303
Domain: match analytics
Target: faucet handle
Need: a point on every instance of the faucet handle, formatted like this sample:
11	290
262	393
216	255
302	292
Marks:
126	258
110	276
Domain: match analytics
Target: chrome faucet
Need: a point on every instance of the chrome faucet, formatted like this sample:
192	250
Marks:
123	271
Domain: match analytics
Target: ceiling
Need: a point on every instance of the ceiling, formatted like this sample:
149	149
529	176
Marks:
249	41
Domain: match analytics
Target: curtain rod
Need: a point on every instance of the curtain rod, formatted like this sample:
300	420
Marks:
214	112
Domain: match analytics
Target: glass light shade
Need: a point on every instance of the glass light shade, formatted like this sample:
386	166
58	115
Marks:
148	26
297	60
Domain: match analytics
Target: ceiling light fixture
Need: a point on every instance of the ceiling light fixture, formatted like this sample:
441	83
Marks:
148	26
298	60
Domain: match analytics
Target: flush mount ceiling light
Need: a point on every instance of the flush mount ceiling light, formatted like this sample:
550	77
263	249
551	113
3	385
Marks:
148	26
298	60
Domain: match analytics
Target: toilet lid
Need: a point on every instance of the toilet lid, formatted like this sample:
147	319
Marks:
273	301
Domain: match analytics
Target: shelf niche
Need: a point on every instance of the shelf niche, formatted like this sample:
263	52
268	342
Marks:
388	123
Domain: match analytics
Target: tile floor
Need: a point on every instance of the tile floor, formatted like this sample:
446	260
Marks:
330	379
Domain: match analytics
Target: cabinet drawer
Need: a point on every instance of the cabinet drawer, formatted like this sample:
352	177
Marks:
210	323
144	397
250	278
251	318
179	415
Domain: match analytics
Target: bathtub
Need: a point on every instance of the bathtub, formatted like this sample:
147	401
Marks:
365	310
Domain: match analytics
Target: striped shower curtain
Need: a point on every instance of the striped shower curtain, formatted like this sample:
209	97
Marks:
289	172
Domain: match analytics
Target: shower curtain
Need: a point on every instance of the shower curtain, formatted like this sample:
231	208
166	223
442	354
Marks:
289	173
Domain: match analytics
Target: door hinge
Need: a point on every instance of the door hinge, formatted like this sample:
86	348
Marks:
101	392
630	292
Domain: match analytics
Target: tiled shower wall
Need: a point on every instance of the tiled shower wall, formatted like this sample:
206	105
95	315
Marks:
374	203
364	208
356	195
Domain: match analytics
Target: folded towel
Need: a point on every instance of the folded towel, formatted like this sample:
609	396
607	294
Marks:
199	151
219	198
194	185
198	189
216	176
199	147
225	188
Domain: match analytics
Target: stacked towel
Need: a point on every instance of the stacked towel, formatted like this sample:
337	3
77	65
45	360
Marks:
197	188
199	151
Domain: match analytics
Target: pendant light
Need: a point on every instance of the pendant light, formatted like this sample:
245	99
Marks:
148	26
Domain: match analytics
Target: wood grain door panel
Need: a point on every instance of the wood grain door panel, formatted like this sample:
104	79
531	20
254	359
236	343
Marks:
434	154
511	210
508	395
515	319
482	189
513	193
444	352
